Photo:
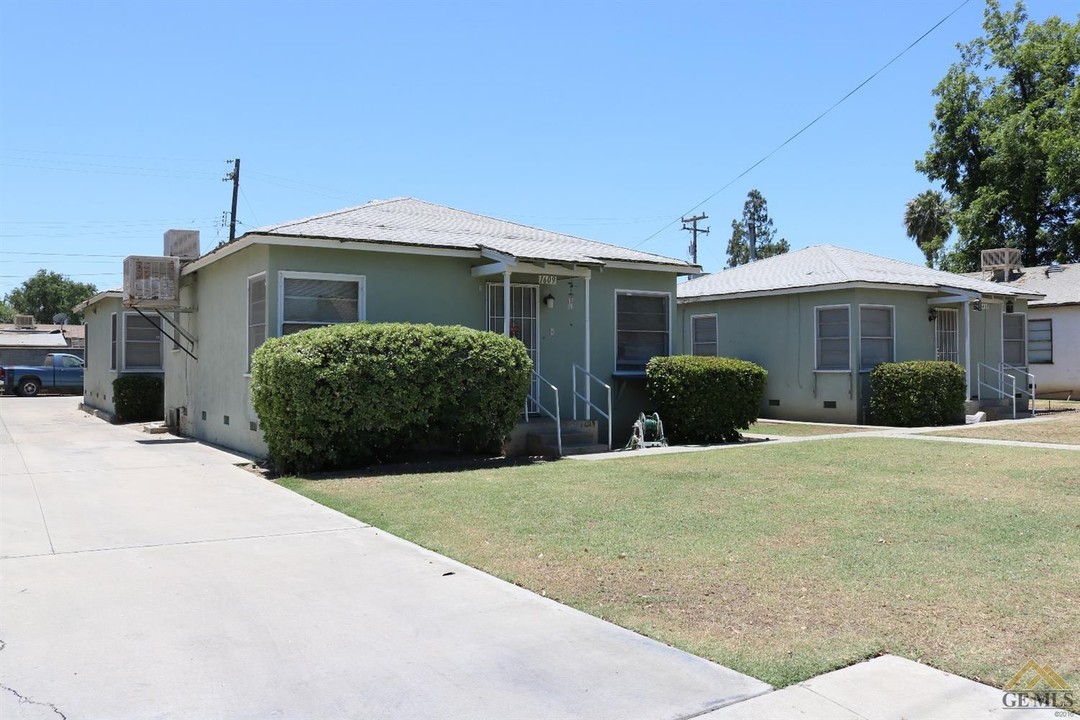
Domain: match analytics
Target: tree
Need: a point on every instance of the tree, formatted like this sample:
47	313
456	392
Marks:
756	216
7	313
927	222
48	293
1006	143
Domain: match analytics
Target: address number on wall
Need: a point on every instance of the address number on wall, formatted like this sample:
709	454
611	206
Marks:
548	279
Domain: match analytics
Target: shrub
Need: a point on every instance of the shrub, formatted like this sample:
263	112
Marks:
348	395
139	398
917	393
705	399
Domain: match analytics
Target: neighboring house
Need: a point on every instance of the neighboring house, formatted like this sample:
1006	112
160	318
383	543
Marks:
1053	324
571	301
29	343
118	342
819	320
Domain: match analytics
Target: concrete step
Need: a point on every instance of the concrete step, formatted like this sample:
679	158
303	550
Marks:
542	438
583	449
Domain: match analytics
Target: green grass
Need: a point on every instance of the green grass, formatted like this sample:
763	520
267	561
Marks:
764	427
1059	425
781	561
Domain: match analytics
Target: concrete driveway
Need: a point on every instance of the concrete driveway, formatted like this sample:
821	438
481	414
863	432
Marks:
146	576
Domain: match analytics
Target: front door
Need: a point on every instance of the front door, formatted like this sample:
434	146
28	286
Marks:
947	345
524	323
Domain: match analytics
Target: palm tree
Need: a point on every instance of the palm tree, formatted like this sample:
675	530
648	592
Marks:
928	222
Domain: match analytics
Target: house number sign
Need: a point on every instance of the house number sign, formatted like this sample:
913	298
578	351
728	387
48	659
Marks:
548	279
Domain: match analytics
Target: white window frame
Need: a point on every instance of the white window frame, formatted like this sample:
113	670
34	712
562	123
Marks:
361	292
1024	339
266	313
123	344
817	337
615	311
1050	322
114	336
892	328
693	334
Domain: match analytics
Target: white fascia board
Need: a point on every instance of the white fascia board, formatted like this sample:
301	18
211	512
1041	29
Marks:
497	256
496	268
325	243
806	289
951	299
96	299
652	267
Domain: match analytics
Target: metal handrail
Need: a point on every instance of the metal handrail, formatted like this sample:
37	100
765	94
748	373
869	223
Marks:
587	398
1030	382
556	416
999	389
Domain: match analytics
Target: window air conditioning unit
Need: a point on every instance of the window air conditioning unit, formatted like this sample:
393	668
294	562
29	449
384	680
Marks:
183	244
151	282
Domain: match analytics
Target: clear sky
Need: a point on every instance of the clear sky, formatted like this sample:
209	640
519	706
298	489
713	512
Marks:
607	120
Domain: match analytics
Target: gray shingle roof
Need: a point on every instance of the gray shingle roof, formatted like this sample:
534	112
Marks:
1061	287
821	266
407	221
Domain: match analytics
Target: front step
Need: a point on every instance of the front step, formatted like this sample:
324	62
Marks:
539	437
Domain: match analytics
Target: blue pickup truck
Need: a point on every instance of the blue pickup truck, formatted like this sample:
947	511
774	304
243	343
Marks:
60	372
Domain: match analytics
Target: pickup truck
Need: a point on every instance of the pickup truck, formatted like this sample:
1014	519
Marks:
61	372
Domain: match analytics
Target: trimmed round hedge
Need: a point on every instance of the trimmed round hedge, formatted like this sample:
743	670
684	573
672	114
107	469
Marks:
917	393
139	398
705	399
349	395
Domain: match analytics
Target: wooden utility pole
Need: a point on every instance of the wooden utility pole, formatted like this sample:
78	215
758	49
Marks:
235	177
690	224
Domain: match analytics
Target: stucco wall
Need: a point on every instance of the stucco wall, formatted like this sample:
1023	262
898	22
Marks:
397	288
1063	374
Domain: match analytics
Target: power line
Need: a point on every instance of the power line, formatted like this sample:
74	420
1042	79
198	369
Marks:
811	123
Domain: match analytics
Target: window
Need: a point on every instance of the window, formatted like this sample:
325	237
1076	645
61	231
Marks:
641	329
876	342
1040	341
315	299
1013	339
833	338
70	362
112	365
256	320
703	332
142	343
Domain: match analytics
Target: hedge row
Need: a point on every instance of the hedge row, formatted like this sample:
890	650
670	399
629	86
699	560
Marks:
917	393
705	399
139	398
349	395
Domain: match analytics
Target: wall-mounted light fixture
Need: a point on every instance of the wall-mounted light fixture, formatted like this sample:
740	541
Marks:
549	301
932	315
977	306
1009	306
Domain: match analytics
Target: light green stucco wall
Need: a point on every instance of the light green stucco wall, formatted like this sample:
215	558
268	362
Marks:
398	288
98	376
778	333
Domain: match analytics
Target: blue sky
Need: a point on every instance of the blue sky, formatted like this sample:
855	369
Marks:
607	120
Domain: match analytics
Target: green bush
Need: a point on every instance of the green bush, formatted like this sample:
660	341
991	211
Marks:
139	398
705	399
348	395
917	393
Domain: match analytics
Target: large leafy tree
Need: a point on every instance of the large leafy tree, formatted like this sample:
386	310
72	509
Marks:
47	294
755	218
927	222
1006	144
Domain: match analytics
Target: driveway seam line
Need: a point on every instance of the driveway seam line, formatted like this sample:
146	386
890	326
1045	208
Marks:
190	542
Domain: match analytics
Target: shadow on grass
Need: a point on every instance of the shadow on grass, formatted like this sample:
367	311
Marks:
415	467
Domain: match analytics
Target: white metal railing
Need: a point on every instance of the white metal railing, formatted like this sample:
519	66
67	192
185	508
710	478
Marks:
999	388
589	378
534	398
1028	389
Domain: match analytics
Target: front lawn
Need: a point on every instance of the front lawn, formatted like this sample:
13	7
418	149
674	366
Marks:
798	429
781	561
1061	425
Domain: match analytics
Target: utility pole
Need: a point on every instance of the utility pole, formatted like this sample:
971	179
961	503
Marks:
690	224
235	177
753	240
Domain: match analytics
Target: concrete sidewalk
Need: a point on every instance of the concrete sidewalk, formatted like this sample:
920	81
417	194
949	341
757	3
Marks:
146	576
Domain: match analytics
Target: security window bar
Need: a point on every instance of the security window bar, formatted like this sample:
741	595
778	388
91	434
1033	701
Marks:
833	338
876	339
1040	342
703	331
641	330
947	335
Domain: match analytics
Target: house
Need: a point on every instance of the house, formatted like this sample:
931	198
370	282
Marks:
27	343
591	314
820	319
1053	324
118	341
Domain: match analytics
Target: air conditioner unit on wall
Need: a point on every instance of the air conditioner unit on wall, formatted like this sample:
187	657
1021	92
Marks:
183	244
24	321
151	282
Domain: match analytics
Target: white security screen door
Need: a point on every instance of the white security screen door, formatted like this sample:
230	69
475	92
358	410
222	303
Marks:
948	339
524	322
